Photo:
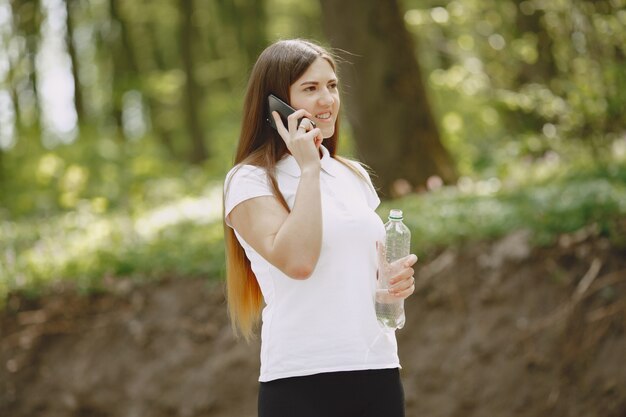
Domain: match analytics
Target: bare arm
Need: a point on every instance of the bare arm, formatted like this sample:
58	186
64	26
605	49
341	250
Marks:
291	242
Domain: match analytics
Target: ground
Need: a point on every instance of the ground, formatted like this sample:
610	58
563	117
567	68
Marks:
494	329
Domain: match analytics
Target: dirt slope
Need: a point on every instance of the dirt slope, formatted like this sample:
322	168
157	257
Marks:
495	329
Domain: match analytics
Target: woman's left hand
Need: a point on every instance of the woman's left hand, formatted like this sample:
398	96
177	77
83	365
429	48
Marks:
400	273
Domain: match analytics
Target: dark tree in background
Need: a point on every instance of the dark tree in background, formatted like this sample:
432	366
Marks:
387	102
158	87
27	18
124	72
191	104
71	50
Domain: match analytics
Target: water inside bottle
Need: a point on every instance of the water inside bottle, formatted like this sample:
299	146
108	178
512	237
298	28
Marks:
389	310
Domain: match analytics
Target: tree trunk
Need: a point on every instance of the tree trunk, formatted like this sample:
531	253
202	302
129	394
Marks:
2	176
190	107
386	98
544	69
160	129
134	67
252	29
27	18
15	101
124	68
71	50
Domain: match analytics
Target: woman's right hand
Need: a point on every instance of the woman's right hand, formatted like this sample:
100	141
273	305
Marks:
302	141
291	240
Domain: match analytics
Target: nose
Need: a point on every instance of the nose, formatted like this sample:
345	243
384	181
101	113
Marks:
326	98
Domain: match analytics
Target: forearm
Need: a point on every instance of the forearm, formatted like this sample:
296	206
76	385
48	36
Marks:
297	244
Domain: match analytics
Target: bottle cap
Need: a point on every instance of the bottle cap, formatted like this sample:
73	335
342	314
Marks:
395	214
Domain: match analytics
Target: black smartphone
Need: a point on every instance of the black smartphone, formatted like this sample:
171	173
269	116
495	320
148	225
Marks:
282	108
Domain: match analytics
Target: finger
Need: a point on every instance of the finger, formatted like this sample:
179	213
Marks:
308	116
407	261
306	124
292	120
403	275
282	130
410	260
402	285
319	138
404	294
313	133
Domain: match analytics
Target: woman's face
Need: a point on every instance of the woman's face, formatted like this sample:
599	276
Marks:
316	92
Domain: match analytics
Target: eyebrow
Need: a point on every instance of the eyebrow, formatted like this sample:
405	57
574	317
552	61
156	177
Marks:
316	83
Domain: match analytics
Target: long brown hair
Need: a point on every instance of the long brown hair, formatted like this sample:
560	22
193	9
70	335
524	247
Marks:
277	68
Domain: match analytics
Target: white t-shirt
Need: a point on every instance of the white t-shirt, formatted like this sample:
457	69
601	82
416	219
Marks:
327	322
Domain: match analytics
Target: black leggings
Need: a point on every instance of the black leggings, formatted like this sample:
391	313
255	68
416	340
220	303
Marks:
369	393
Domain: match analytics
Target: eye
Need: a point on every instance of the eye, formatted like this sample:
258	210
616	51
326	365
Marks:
311	88
332	86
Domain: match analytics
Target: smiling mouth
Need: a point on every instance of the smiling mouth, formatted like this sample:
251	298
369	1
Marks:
324	116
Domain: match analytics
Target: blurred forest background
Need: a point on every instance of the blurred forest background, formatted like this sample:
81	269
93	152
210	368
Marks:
496	125
119	119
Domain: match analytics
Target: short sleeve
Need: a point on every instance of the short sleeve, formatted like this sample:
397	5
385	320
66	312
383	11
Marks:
242	183
370	192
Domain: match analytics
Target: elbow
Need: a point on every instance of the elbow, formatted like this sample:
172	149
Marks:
300	272
297	265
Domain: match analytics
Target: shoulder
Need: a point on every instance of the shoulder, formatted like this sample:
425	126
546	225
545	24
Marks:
358	167
366	182
242	172
244	182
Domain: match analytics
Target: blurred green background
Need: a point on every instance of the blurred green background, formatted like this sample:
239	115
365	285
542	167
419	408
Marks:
119	119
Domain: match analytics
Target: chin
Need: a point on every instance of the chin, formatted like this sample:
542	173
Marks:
328	133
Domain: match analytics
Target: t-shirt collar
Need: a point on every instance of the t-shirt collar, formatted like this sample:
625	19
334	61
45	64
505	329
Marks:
289	165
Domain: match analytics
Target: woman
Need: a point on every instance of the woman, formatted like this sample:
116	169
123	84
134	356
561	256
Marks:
303	236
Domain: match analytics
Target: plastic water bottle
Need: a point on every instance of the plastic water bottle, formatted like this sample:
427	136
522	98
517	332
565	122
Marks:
390	309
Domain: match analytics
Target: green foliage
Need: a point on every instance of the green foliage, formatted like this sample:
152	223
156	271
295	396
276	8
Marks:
483	210
96	171
183	235
183	238
515	79
529	96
